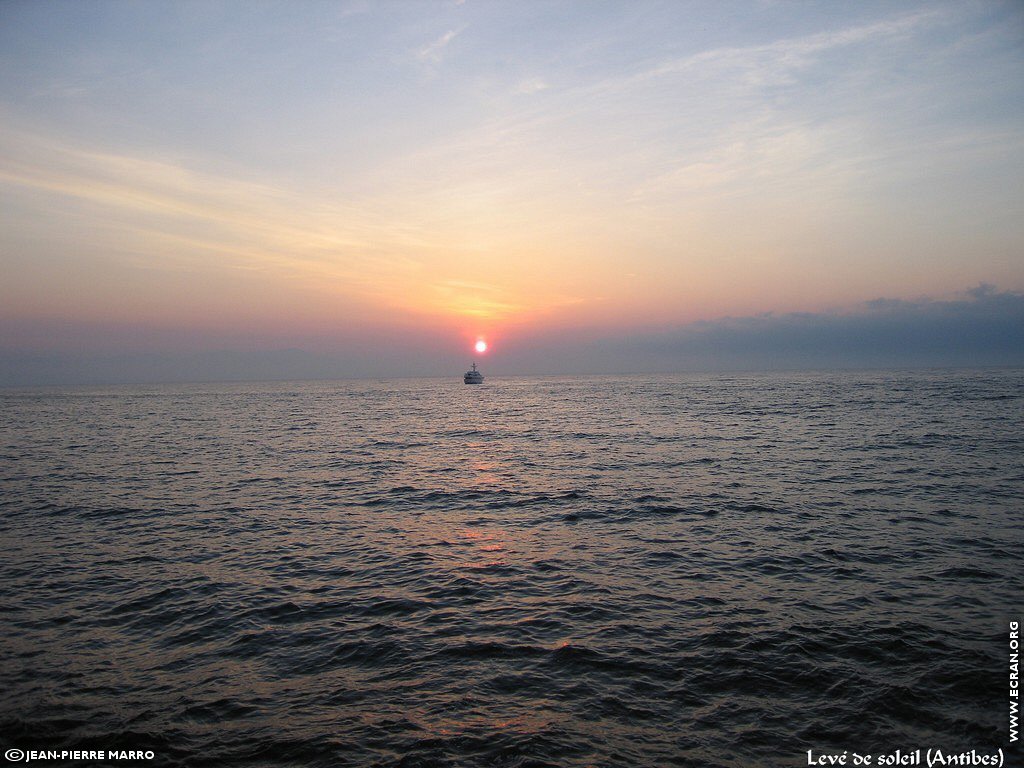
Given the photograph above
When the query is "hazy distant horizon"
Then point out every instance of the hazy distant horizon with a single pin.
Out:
(456, 378)
(984, 329)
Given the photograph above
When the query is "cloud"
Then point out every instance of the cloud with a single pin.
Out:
(720, 126)
(984, 327)
(775, 62)
(532, 85)
(783, 116)
(367, 255)
(247, 224)
(434, 51)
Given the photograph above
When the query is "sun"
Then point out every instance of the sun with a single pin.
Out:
(481, 346)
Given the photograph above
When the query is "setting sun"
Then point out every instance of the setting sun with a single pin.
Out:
(481, 346)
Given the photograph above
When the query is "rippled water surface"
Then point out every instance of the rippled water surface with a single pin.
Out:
(674, 570)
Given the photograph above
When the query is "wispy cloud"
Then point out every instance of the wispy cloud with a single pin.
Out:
(532, 85)
(495, 303)
(762, 64)
(434, 51)
(170, 208)
(702, 120)
(780, 118)
(474, 299)
(391, 253)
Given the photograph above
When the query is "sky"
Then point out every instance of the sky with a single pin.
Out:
(219, 190)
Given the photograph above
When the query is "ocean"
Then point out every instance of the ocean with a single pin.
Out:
(672, 570)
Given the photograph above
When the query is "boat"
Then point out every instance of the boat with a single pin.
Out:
(473, 376)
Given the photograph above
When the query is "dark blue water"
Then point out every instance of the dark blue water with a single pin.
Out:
(676, 570)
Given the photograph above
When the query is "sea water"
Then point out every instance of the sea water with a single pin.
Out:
(694, 570)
